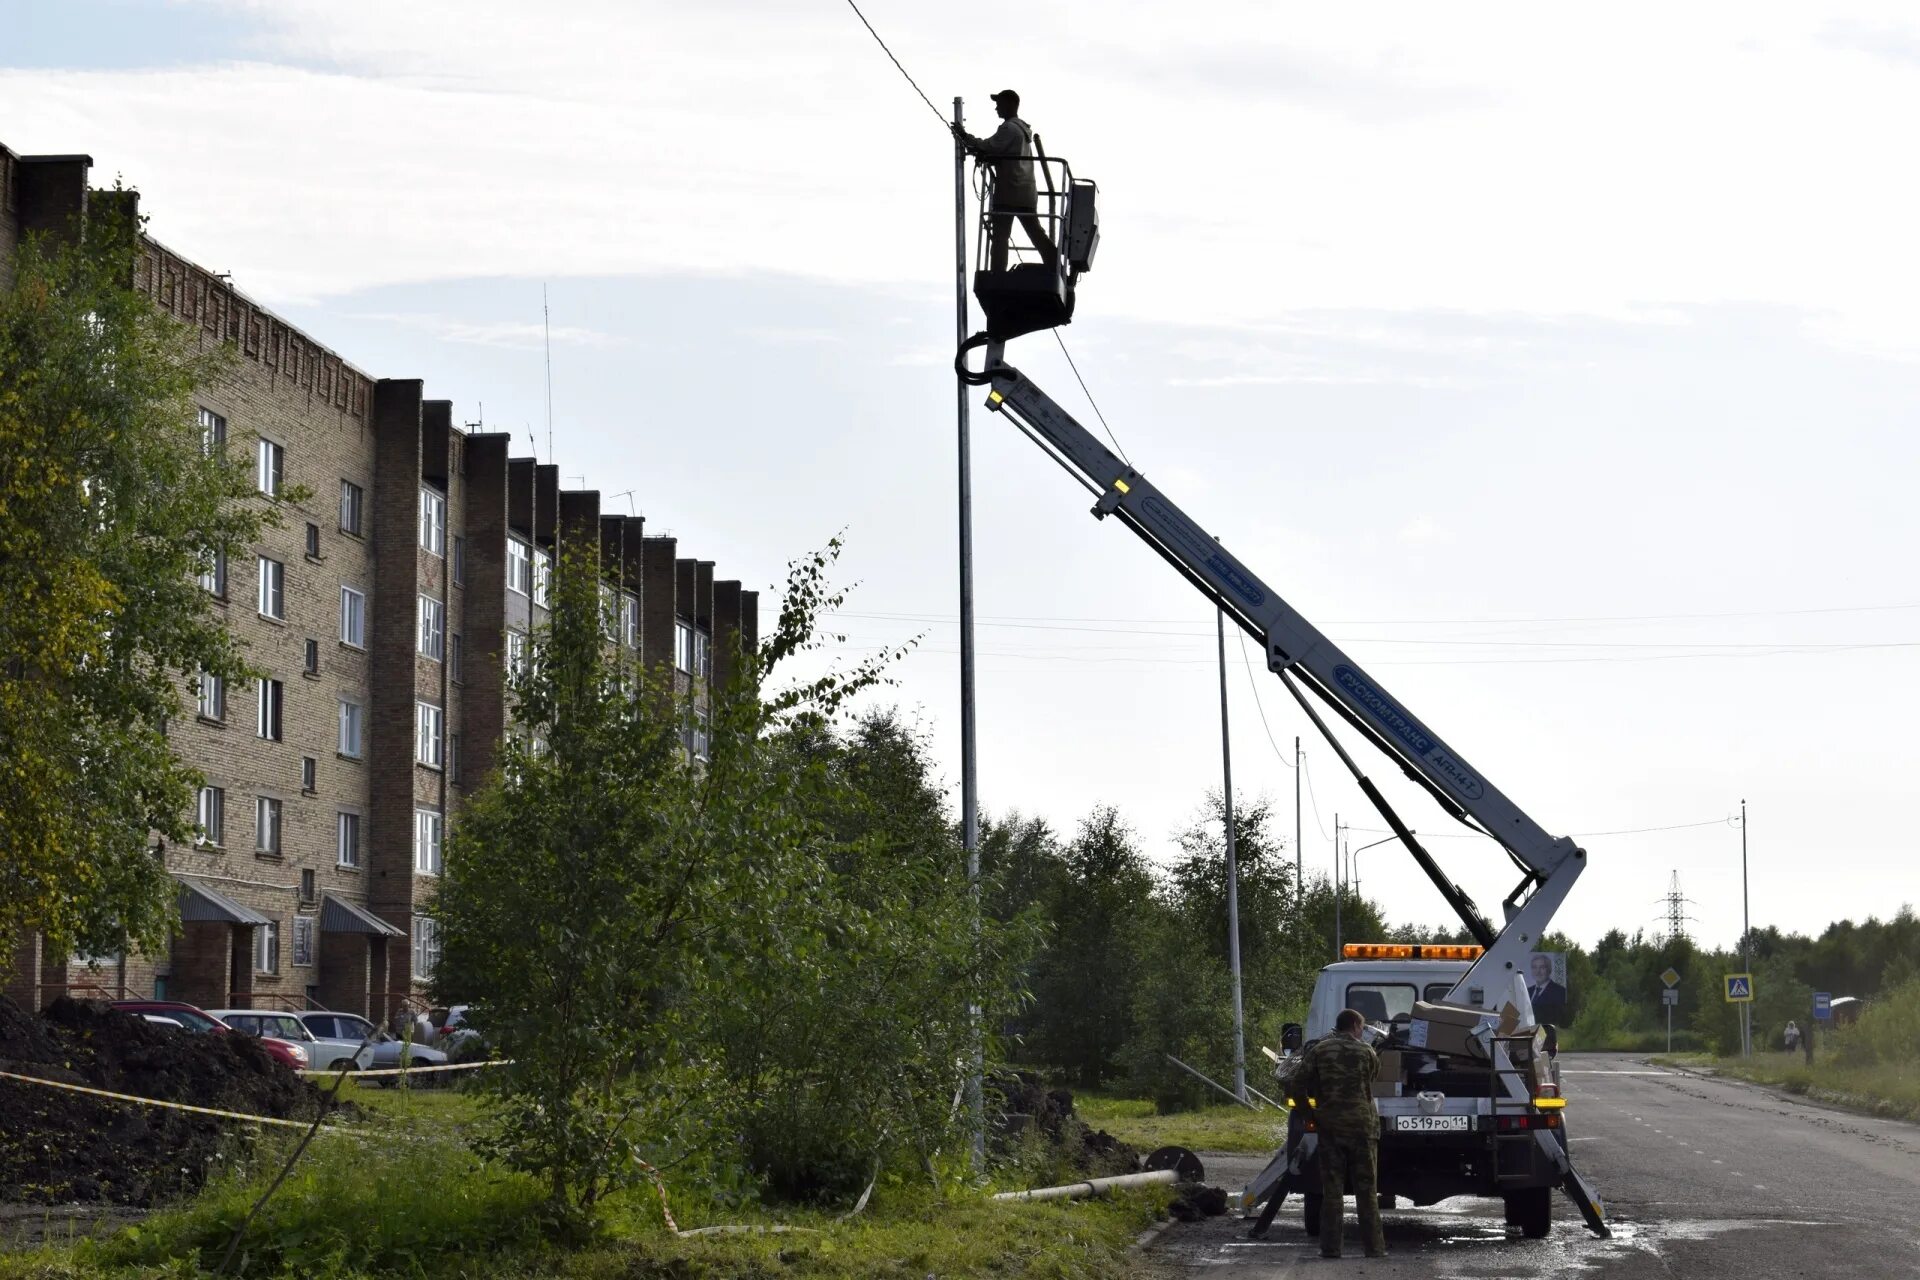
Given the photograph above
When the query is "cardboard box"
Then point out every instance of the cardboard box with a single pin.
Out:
(1451, 1028)
(1392, 1070)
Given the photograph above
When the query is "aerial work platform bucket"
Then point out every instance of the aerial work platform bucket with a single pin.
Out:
(1025, 289)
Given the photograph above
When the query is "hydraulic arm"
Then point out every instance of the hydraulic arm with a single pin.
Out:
(1310, 663)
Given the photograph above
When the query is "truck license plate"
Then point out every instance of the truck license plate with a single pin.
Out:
(1432, 1124)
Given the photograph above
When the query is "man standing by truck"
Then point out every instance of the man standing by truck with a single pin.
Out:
(1337, 1074)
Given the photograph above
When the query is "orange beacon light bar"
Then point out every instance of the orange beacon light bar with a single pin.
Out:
(1412, 951)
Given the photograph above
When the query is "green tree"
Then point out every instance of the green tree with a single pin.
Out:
(109, 510)
(1085, 979)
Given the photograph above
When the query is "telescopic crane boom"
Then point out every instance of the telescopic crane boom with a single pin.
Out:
(1033, 296)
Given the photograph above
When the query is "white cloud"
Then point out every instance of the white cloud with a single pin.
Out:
(1511, 159)
(521, 335)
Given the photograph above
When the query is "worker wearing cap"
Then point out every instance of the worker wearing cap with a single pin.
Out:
(1010, 150)
(1335, 1082)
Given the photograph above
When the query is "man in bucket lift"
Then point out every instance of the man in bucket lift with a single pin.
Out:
(1010, 149)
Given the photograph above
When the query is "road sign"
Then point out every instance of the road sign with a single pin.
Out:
(1671, 977)
(1739, 988)
(1823, 1006)
(1669, 996)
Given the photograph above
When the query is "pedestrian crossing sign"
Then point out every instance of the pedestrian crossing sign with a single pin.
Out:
(1739, 988)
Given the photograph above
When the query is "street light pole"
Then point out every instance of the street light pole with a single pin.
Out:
(969, 775)
(1336, 886)
(1746, 942)
(1233, 869)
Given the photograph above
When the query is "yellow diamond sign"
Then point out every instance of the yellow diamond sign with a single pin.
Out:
(1670, 977)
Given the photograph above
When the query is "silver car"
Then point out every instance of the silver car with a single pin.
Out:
(348, 1030)
(322, 1055)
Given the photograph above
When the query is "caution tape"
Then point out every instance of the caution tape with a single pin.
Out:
(330, 1072)
(170, 1106)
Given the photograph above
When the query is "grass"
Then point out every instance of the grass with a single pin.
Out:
(1878, 1089)
(1222, 1128)
(426, 1206)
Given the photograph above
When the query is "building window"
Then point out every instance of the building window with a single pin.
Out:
(703, 655)
(433, 628)
(516, 654)
(702, 732)
(353, 617)
(453, 757)
(426, 842)
(213, 578)
(459, 561)
(210, 814)
(426, 946)
(266, 947)
(213, 433)
(683, 645)
(519, 566)
(270, 471)
(266, 825)
(349, 729)
(632, 609)
(609, 614)
(313, 540)
(430, 724)
(306, 891)
(347, 840)
(313, 657)
(455, 664)
(542, 578)
(212, 695)
(273, 589)
(352, 499)
(433, 521)
(272, 698)
(303, 938)
(309, 774)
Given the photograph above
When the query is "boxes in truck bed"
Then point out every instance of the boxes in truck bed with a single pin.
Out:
(1458, 1029)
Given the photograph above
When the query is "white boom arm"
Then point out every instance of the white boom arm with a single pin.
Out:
(1298, 652)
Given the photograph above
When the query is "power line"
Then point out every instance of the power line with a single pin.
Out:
(1089, 395)
(944, 122)
(1306, 771)
(1247, 662)
(1009, 619)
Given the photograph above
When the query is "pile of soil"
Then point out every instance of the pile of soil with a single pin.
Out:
(57, 1146)
(1024, 1104)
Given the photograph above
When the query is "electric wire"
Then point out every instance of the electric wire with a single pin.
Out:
(944, 122)
(1090, 400)
(1247, 662)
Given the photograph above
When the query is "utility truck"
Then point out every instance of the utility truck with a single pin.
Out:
(1491, 1130)
(1448, 1126)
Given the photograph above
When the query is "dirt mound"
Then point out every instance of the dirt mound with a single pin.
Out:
(56, 1145)
(1023, 1103)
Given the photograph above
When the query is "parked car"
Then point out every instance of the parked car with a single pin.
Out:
(281, 1025)
(348, 1030)
(289, 1053)
(162, 1020)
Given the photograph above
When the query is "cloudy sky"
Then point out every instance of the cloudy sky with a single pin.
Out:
(1564, 368)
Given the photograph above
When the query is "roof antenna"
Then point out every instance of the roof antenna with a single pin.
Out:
(546, 334)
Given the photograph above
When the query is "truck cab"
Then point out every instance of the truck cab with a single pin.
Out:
(1448, 1127)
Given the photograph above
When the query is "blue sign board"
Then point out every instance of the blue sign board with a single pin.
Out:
(1823, 1006)
(1739, 988)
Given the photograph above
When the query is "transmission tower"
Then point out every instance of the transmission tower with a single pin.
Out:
(1677, 915)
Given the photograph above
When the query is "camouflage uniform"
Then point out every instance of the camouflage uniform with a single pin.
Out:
(1338, 1074)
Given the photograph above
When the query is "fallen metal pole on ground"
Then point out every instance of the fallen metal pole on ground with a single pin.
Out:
(1212, 1083)
(1093, 1186)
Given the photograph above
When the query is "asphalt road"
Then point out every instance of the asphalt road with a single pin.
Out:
(1701, 1178)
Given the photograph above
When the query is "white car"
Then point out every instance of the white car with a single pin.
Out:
(322, 1055)
(349, 1030)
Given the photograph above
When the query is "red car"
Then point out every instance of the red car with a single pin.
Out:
(196, 1019)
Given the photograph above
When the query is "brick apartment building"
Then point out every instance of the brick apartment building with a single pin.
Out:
(386, 611)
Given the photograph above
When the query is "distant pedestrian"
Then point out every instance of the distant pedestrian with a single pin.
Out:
(1338, 1073)
(1791, 1035)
